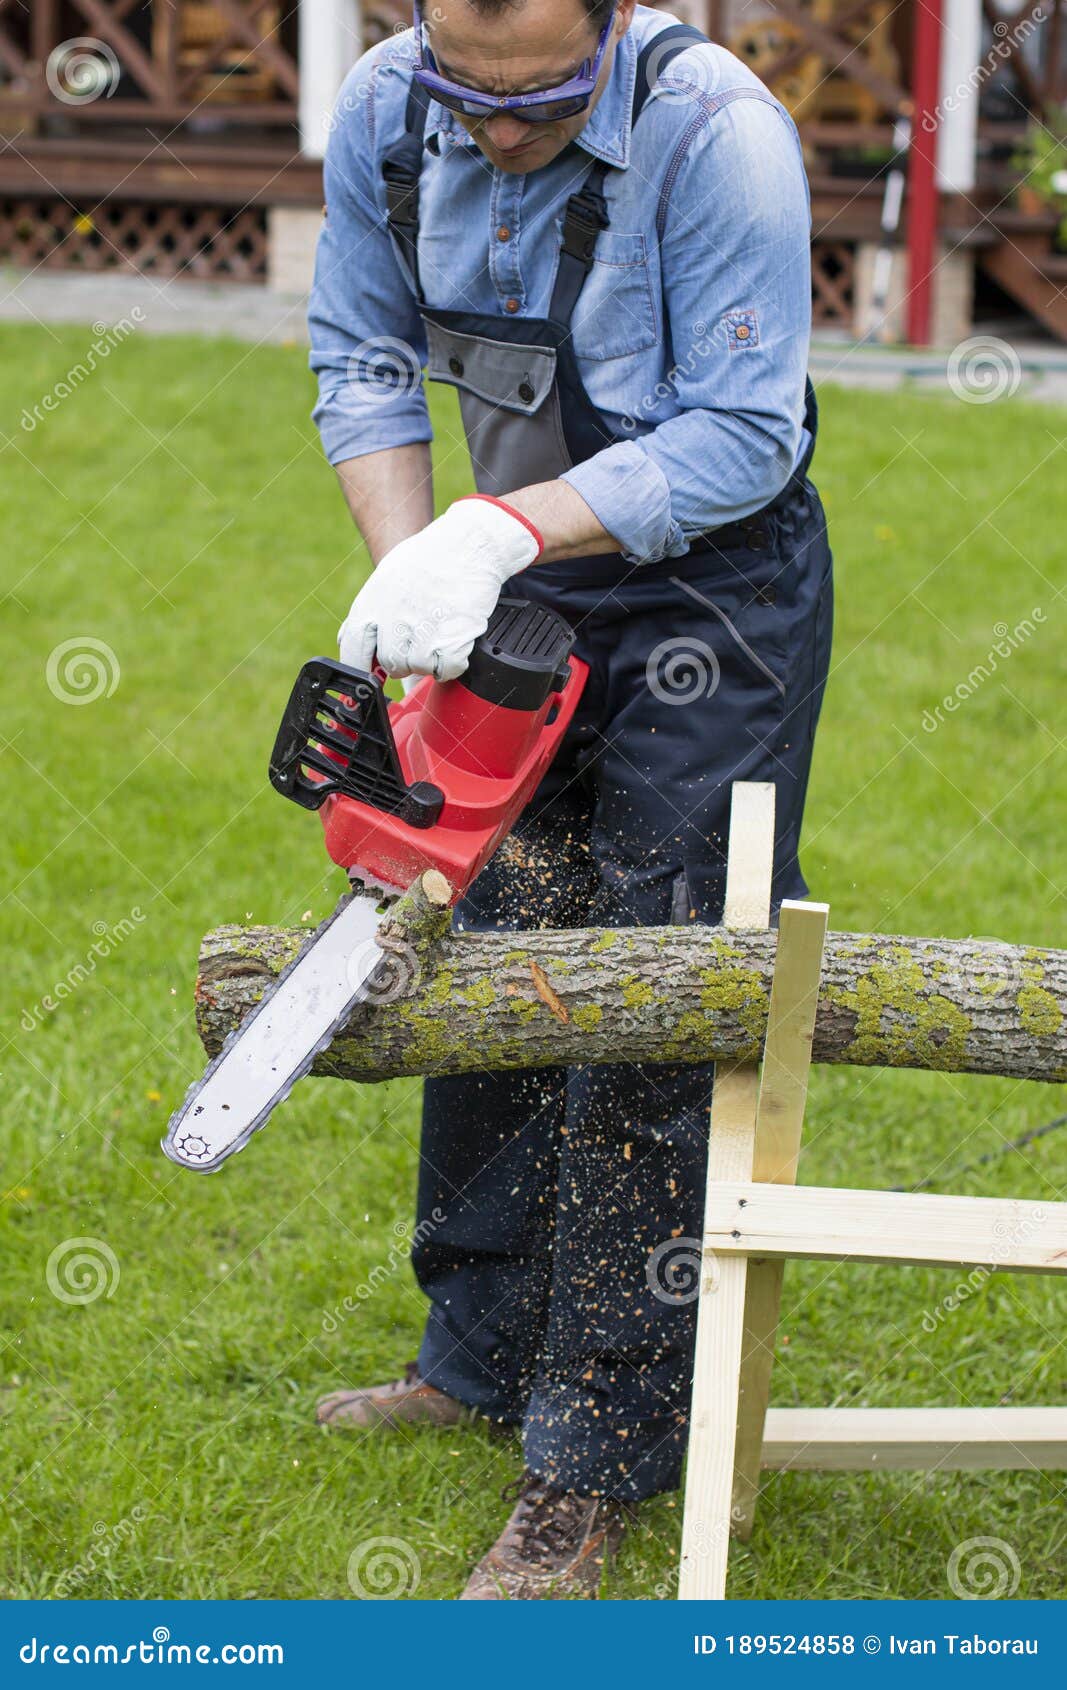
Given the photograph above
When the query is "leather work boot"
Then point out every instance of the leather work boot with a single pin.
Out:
(408, 1401)
(553, 1547)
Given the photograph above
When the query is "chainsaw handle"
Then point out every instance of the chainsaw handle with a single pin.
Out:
(336, 736)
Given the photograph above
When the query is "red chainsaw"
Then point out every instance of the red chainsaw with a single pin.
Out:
(435, 780)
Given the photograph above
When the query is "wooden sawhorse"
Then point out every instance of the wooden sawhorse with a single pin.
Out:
(756, 1216)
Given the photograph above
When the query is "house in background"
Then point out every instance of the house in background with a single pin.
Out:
(184, 138)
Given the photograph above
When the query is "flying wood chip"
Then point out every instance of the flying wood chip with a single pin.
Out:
(546, 994)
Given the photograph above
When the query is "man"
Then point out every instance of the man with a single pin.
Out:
(594, 224)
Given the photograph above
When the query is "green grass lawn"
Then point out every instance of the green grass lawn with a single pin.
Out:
(158, 1441)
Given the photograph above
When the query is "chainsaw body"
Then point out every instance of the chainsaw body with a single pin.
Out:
(438, 779)
(434, 781)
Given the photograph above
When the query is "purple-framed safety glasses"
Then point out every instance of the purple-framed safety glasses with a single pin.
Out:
(539, 105)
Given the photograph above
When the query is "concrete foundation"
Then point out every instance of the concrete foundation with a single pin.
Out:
(953, 313)
(292, 234)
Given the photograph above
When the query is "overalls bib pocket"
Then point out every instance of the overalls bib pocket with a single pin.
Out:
(616, 311)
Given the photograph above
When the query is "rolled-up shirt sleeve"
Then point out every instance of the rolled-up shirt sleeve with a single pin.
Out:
(367, 342)
(737, 297)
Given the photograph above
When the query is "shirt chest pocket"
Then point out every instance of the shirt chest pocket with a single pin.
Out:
(617, 314)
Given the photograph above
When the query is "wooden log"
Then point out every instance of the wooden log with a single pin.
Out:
(670, 994)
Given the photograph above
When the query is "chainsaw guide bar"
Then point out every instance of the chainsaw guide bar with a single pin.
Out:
(276, 1045)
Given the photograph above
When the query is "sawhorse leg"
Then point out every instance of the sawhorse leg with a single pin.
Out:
(753, 1127)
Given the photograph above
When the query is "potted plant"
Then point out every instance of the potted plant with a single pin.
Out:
(1042, 162)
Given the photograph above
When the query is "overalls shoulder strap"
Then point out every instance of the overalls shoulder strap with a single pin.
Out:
(586, 212)
(401, 169)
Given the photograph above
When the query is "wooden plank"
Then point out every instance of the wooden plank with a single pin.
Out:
(779, 1125)
(917, 1439)
(131, 55)
(796, 54)
(763, 1302)
(790, 1029)
(721, 1310)
(261, 46)
(842, 52)
(750, 855)
(42, 173)
(1003, 1234)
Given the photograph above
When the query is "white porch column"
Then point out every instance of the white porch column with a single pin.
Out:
(962, 80)
(331, 40)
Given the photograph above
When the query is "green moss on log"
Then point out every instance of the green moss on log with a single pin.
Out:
(897, 1017)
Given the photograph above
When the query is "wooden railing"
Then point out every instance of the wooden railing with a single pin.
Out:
(109, 62)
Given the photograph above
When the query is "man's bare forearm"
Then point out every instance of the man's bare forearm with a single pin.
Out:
(564, 521)
(390, 495)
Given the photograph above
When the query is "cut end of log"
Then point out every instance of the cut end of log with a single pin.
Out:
(435, 889)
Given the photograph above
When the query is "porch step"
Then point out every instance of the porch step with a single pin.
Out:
(1033, 275)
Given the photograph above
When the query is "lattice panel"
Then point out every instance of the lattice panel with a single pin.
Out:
(833, 275)
(207, 242)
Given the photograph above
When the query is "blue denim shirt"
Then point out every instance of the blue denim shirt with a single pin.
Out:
(691, 331)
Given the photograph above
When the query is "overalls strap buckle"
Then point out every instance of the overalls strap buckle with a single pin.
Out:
(586, 214)
(401, 191)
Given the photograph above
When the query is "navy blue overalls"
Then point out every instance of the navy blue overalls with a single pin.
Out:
(557, 1186)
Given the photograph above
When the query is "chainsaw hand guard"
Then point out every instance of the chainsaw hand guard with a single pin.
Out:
(336, 737)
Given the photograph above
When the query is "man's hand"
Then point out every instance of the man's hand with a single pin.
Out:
(431, 596)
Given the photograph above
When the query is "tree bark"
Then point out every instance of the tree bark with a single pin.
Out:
(485, 1001)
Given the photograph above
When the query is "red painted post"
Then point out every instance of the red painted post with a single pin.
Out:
(922, 168)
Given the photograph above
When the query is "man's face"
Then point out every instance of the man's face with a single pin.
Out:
(535, 44)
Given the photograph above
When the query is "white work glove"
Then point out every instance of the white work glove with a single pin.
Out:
(431, 596)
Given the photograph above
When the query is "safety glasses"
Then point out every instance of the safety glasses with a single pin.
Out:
(539, 105)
